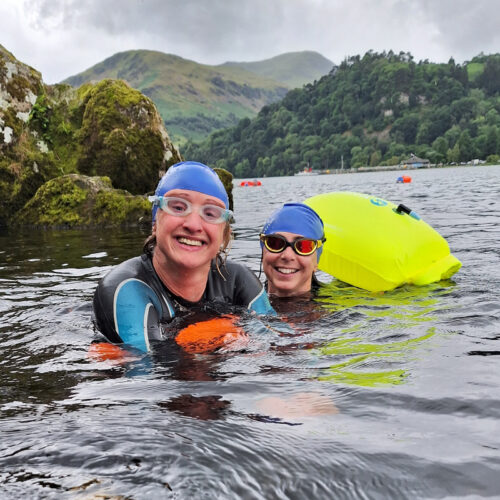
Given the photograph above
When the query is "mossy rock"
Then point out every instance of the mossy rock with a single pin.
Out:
(20, 179)
(123, 137)
(47, 131)
(227, 179)
(80, 201)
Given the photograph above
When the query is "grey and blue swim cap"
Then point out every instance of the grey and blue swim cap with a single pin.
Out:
(192, 176)
(296, 218)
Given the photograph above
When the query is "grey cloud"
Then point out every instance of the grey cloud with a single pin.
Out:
(77, 33)
(212, 26)
(466, 28)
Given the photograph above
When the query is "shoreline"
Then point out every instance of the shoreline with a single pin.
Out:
(388, 168)
(385, 168)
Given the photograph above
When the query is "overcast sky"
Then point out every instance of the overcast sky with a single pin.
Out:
(63, 37)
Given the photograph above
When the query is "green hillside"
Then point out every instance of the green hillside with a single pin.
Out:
(372, 110)
(293, 69)
(193, 99)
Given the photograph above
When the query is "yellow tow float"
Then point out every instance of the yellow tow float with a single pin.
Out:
(376, 245)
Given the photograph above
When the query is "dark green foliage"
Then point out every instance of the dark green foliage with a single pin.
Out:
(372, 109)
(39, 117)
(20, 181)
(489, 80)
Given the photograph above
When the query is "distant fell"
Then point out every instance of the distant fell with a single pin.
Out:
(294, 69)
(196, 99)
(193, 99)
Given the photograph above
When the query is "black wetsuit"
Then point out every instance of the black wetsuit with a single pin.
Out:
(131, 301)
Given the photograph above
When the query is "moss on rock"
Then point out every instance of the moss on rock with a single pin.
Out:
(79, 201)
(20, 177)
(227, 179)
(122, 136)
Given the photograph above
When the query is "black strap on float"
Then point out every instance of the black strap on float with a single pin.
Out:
(403, 209)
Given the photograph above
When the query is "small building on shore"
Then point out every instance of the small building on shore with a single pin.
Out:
(415, 162)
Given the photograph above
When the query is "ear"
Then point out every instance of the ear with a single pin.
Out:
(153, 231)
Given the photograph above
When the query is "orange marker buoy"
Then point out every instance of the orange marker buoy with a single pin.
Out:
(206, 336)
(250, 183)
(404, 179)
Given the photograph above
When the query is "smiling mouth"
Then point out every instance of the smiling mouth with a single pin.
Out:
(187, 241)
(285, 270)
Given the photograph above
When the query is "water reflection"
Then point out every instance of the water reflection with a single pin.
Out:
(384, 318)
(352, 395)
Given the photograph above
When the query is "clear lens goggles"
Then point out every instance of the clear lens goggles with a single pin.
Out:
(276, 243)
(181, 208)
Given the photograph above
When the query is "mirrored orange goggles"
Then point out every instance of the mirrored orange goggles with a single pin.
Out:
(276, 243)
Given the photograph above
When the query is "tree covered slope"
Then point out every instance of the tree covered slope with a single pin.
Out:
(374, 109)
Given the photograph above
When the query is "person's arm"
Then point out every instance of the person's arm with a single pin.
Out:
(261, 305)
(126, 309)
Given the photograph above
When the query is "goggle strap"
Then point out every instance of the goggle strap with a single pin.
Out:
(155, 200)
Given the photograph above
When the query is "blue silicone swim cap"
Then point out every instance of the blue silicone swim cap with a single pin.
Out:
(296, 218)
(192, 176)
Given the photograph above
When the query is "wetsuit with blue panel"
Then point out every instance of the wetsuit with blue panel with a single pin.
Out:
(131, 302)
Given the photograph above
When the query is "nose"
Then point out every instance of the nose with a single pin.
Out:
(287, 254)
(193, 221)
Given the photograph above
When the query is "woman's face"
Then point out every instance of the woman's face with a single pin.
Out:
(288, 273)
(188, 242)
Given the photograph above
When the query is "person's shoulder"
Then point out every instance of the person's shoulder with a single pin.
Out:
(239, 270)
(127, 268)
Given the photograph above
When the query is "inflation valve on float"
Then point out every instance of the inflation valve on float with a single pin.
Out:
(403, 209)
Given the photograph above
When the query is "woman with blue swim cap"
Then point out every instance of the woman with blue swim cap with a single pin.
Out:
(183, 264)
(291, 242)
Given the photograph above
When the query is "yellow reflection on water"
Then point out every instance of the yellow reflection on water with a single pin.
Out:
(386, 315)
(365, 354)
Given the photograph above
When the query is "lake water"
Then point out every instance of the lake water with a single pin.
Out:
(391, 395)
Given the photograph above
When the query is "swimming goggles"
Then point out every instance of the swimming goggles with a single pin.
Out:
(276, 243)
(181, 208)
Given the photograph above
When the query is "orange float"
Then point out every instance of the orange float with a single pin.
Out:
(206, 336)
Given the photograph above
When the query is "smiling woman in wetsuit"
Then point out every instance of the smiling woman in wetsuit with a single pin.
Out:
(291, 242)
(183, 264)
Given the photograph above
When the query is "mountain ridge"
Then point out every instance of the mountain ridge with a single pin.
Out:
(280, 67)
(195, 99)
